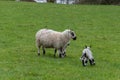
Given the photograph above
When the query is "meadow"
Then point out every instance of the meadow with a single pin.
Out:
(95, 25)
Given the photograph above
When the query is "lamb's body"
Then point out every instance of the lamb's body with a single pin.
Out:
(87, 55)
(48, 38)
(64, 50)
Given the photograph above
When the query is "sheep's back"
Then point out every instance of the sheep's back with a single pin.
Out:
(48, 38)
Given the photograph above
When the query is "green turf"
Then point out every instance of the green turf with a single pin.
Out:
(94, 25)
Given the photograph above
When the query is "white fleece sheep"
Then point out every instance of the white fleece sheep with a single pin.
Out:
(48, 38)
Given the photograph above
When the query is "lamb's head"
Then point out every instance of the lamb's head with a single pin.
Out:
(70, 34)
(87, 47)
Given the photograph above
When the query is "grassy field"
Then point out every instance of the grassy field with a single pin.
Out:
(94, 25)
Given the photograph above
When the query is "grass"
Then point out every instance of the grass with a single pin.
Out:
(94, 25)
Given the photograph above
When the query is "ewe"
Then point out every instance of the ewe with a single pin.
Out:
(48, 38)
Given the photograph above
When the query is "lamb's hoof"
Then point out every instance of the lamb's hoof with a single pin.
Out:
(62, 56)
(84, 65)
(65, 55)
(93, 63)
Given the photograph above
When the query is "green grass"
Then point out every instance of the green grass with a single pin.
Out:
(94, 25)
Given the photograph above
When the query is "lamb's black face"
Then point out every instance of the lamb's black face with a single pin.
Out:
(73, 35)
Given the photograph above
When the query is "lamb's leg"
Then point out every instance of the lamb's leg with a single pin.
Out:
(64, 53)
(83, 63)
(38, 46)
(60, 52)
(90, 61)
(93, 62)
(55, 52)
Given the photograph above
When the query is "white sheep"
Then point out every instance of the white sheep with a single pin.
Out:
(48, 38)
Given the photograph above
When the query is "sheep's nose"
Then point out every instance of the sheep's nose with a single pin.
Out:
(74, 38)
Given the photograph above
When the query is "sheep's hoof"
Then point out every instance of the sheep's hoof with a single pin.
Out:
(54, 56)
(38, 54)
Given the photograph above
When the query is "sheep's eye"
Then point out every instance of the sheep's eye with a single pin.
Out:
(72, 33)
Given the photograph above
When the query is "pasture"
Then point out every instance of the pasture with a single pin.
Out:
(96, 25)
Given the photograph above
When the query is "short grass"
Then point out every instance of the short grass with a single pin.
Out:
(94, 25)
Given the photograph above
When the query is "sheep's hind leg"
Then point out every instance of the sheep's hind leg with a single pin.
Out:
(55, 52)
(43, 50)
(38, 46)
(38, 50)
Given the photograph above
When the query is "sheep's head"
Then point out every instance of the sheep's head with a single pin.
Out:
(73, 35)
(70, 34)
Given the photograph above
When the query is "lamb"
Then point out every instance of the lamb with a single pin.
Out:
(87, 55)
(47, 38)
(64, 50)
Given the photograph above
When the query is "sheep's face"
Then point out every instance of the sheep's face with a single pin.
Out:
(73, 35)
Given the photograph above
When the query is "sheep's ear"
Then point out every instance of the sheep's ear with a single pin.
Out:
(46, 26)
(68, 27)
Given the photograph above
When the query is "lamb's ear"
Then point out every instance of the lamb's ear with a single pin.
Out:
(85, 46)
(90, 46)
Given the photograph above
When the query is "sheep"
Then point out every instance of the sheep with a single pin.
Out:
(87, 55)
(48, 38)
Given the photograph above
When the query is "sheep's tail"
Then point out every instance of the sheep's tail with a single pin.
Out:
(37, 43)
